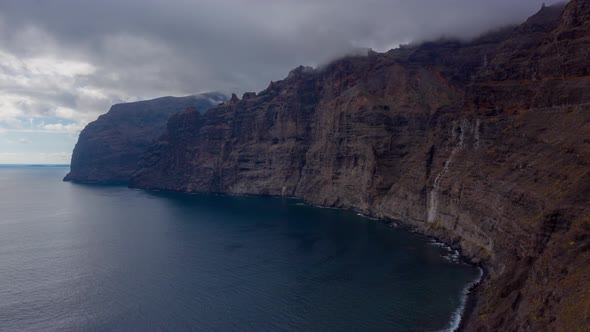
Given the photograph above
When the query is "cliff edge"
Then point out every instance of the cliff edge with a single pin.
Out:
(485, 144)
(109, 148)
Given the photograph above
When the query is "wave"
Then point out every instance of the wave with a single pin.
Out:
(365, 216)
(452, 255)
(457, 316)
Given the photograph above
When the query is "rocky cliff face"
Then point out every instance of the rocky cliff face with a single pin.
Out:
(485, 144)
(109, 148)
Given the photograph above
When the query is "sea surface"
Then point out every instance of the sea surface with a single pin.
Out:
(107, 258)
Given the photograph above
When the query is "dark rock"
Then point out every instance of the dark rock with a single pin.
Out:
(234, 99)
(465, 141)
(109, 148)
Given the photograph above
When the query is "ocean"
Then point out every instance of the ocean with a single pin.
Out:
(107, 258)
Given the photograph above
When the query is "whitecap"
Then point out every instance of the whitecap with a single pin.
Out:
(458, 314)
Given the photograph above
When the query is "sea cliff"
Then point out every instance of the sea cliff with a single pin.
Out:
(109, 148)
(484, 144)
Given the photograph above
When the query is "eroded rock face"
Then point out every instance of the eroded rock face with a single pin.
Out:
(484, 144)
(109, 148)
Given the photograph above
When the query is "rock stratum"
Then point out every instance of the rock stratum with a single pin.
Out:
(485, 144)
(109, 148)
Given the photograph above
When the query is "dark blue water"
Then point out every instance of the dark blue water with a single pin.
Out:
(106, 258)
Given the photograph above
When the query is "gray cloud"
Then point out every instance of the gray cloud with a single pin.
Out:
(72, 59)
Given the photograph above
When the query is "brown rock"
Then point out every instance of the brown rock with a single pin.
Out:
(483, 144)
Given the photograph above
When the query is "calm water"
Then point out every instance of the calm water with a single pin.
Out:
(105, 258)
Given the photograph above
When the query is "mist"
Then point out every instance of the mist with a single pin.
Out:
(69, 61)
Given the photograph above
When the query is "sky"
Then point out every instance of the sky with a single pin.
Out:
(64, 62)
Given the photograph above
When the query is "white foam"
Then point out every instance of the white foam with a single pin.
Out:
(436, 243)
(451, 255)
(365, 216)
(458, 314)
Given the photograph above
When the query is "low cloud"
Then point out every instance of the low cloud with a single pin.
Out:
(24, 141)
(71, 60)
(35, 157)
(19, 141)
(67, 128)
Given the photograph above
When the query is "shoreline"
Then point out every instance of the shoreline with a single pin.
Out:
(469, 302)
(460, 317)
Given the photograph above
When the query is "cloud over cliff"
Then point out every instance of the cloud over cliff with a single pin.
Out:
(67, 61)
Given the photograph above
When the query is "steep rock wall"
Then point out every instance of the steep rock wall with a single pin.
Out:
(109, 148)
(484, 144)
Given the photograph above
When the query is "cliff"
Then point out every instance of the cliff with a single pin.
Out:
(109, 148)
(485, 144)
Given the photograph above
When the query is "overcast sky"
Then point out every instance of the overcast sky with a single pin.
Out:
(63, 63)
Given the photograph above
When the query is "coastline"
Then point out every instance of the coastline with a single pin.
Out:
(460, 318)
(471, 299)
